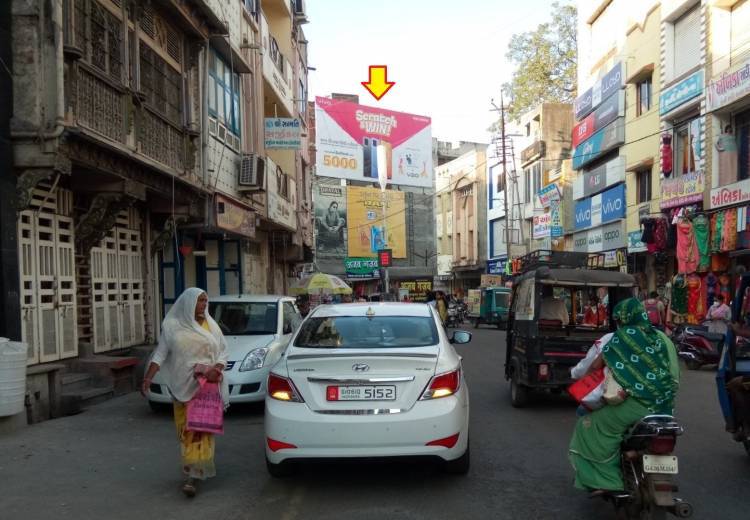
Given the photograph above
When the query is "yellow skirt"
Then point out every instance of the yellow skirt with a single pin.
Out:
(197, 448)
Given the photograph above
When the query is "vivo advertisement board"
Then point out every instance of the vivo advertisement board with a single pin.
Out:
(602, 141)
(600, 209)
(372, 144)
(604, 238)
(602, 89)
(607, 112)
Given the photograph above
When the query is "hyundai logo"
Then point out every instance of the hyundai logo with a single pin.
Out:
(360, 367)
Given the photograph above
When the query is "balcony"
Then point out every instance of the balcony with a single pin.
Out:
(278, 72)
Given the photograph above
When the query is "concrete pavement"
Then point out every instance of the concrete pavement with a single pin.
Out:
(118, 460)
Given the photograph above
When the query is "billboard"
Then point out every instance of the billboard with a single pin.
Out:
(364, 143)
(366, 231)
(330, 220)
(599, 209)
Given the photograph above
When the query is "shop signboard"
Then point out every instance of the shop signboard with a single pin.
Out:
(366, 230)
(361, 267)
(532, 152)
(547, 194)
(681, 93)
(555, 214)
(732, 194)
(283, 133)
(682, 189)
(541, 227)
(602, 90)
(603, 238)
(496, 266)
(596, 180)
(235, 217)
(418, 289)
(607, 112)
(602, 208)
(602, 141)
(491, 280)
(634, 243)
(728, 87)
(365, 143)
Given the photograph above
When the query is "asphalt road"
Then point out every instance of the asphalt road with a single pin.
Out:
(118, 460)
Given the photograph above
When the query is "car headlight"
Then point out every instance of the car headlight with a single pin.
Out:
(254, 359)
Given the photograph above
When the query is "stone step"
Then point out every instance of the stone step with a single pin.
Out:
(73, 381)
(75, 401)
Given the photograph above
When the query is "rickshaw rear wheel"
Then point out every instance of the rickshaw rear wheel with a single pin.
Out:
(519, 394)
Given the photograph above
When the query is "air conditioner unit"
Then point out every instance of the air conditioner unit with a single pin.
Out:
(300, 13)
(252, 174)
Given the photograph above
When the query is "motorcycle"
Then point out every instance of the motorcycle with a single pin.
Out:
(453, 316)
(648, 466)
(696, 346)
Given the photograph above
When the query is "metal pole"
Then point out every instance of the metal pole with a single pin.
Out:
(505, 178)
(386, 282)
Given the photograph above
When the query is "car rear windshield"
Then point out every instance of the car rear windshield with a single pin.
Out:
(363, 332)
(245, 318)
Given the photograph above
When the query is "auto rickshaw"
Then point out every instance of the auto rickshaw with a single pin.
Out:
(735, 355)
(493, 307)
(541, 351)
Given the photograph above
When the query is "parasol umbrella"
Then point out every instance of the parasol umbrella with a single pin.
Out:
(320, 283)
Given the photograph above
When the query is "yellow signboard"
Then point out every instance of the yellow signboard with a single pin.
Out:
(367, 231)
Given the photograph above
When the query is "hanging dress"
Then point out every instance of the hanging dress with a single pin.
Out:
(716, 229)
(700, 228)
(678, 303)
(687, 249)
(725, 288)
(729, 231)
(712, 288)
(694, 306)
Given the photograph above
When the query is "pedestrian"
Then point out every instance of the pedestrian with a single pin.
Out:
(643, 372)
(442, 307)
(719, 315)
(191, 346)
(656, 310)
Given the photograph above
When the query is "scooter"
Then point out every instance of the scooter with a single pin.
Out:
(696, 346)
(453, 316)
(648, 468)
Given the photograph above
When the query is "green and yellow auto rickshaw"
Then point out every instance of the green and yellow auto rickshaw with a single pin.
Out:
(493, 307)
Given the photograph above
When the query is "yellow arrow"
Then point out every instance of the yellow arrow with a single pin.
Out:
(378, 84)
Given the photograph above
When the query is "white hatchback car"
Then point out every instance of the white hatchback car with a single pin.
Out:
(368, 380)
(257, 329)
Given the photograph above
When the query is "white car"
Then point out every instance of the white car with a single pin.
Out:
(368, 380)
(257, 329)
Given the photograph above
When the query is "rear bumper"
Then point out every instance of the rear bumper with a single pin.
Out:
(323, 436)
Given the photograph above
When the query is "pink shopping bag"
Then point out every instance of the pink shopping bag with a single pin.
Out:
(205, 411)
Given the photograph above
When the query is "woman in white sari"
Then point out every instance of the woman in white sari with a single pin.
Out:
(191, 343)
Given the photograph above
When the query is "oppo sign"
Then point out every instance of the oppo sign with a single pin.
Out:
(604, 238)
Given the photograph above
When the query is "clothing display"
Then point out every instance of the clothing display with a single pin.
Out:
(712, 287)
(647, 230)
(687, 248)
(660, 234)
(679, 301)
(700, 228)
(729, 230)
(696, 309)
(724, 287)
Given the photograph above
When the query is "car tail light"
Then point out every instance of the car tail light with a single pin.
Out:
(661, 445)
(275, 445)
(446, 442)
(543, 372)
(443, 385)
(282, 389)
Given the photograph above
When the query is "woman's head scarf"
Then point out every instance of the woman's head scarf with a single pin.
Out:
(638, 357)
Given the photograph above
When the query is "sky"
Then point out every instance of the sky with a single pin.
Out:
(447, 57)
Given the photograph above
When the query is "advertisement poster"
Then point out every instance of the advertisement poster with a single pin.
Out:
(541, 226)
(418, 289)
(364, 143)
(366, 231)
(330, 220)
(283, 133)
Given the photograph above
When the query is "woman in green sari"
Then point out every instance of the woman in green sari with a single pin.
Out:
(643, 361)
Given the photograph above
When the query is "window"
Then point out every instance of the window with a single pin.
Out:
(364, 332)
(528, 129)
(97, 33)
(643, 96)
(251, 6)
(291, 318)
(500, 182)
(643, 181)
(527, 185)
(537, 169)
(302, 99)
(245, 318)
(282, 183)
(687, 146)
(161, 84)
(224, 93)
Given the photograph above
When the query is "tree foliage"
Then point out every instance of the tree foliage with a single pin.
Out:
(546, 62)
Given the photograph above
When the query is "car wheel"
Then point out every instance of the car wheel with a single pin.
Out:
(281, 470)
(459, 466)
(519, 394)
(159, 407)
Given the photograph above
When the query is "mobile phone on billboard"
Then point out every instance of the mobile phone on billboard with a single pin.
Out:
(387, 158)
(366, 157)
(377, 239)
(374, 157)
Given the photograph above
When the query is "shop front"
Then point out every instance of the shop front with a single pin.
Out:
(363, 276)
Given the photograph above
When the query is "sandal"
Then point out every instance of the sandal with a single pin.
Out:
(189, 488)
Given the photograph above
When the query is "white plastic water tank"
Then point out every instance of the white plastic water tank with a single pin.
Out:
(12, 377)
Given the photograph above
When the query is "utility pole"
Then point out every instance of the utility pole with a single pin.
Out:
(505, 179)
(10, 323)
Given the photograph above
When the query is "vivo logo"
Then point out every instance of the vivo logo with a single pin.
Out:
(612, 205)
(583, 216)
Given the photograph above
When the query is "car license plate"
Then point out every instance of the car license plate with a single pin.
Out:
(660, 464)
(361, 393)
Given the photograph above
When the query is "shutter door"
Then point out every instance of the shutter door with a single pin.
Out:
(740, 33)
(687, 42)
(29, 294)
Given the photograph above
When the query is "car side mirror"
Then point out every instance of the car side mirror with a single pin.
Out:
(460, 337)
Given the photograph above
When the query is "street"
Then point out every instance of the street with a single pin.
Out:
(119, 460)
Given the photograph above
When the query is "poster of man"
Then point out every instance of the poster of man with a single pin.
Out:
(330, 220)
